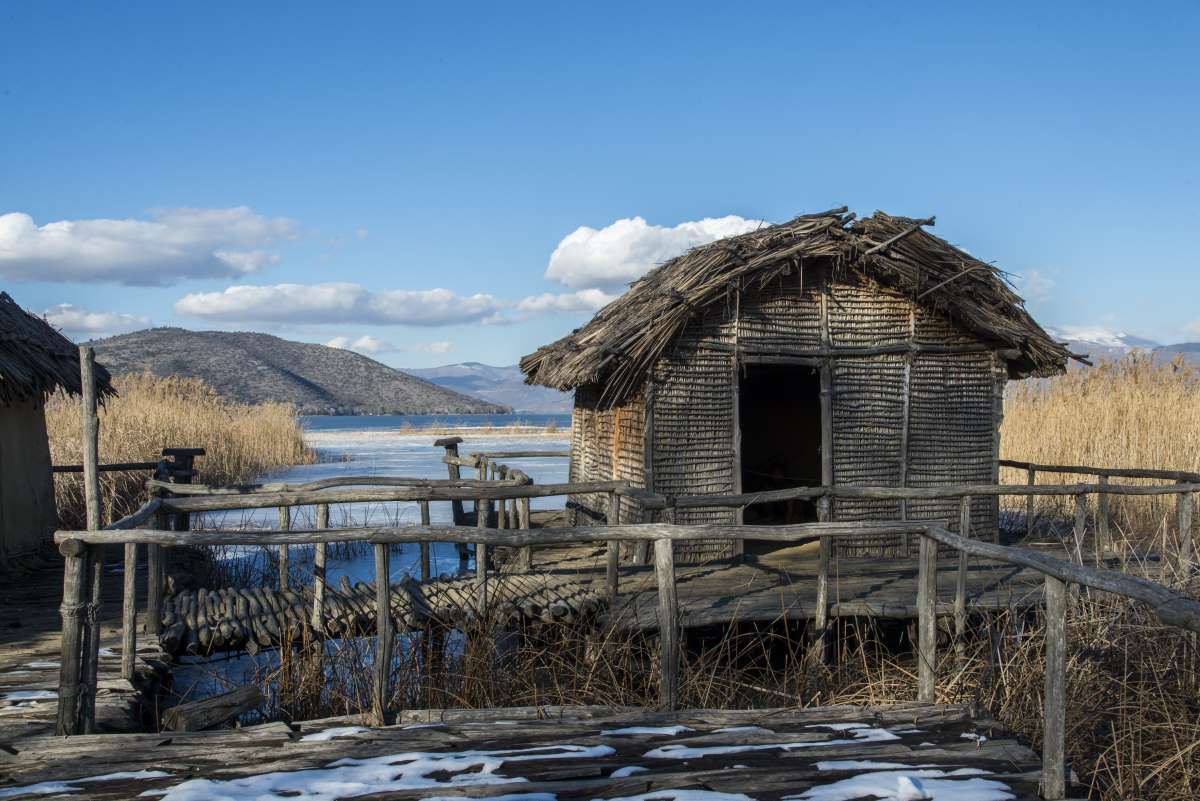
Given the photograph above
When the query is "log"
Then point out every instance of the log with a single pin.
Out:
(320, 554)
(1080, 527)
(210, 712)
(960, 584)
(1110, 472)
(927, 622)
(1054, 768)
(821, 617)
(129, 612)
(1031, 480)
(74, 605)
(285, 524)
(1184, 508)
(91, 486)
(1103, 519)
(482, 510)
(424, 546)
(383, 635)
(452, 470)
(613, 552)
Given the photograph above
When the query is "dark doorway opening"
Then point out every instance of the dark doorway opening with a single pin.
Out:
(779, 411)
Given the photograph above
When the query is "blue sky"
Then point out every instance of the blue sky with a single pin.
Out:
(318, 170)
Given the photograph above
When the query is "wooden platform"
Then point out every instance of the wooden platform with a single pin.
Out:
(782, 585)
(30, 629)
(541, 754)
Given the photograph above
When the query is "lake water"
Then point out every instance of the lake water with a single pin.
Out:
(398, 422)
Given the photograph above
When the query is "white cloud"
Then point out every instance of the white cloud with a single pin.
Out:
(171, 245)
(582, 300)
(80, 323)
(1035, 286)
(372, 346)
(1192, 327)
(618, 253)
(338, 303)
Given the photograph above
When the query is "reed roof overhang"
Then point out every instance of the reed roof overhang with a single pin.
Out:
(621, 343)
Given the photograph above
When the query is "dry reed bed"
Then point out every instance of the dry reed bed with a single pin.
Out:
(149, 413)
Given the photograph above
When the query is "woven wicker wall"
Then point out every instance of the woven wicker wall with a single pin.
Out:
(606, 444)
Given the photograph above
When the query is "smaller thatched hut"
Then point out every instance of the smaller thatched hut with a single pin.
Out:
(825, 351)
(35, 361)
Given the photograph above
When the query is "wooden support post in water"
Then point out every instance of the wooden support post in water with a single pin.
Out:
(1080, 528)
(129, 612)
(1031, 479)
(821, 618)
(960, 584)
(91, 488)
(320, 551)
(1103, 533)
(668, 624)
(74, 605)
(451, 446)
(383, 634)
(481, 553)
(1185, 504)
(613, 554)
(927, 622)
(154, 582)
(425, 567)
(285, 524)
(1054, 767)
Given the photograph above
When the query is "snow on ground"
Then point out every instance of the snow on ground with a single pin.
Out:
(911, 784)
(628, 770)
(654, 731)
(682, 795)
(329, 734)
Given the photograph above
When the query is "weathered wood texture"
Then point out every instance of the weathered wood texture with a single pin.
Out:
(212, 711)
(561, 752)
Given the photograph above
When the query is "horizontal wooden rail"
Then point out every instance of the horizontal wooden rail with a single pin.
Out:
(489, 536)
(489, 490)
(326, 483)
(137, 518)
(491, 455)
(1107, 472)
(106, 468)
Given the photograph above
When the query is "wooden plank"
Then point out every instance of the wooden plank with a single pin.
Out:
(91, 485)
(285, 524)
(1185, 505)
(129, 612)
(383, 635)
(1054, 768)
(1031, 480)
(613, 551)
(320, 553)
(452, 470)
(1080, 527)
(482, 510)
(523, 524)
(960, 584)
(668, 624)
(1104, 542)
(1111, 472)
(425, 568)
(927, 622)
(821, 618)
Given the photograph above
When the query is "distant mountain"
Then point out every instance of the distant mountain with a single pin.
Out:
(504, 385)
(259, 368)
(1100, 343)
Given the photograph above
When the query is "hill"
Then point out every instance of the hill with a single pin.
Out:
(1099, 344)
(503, 385)
(259, 368)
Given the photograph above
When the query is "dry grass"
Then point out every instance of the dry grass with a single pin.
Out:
(151, 413)
(1124, 413)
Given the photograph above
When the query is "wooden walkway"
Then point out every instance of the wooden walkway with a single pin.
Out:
(782, 585)
(30, 629)
(541, 754)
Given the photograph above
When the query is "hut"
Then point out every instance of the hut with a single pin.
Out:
(825, 351)
(35, 361)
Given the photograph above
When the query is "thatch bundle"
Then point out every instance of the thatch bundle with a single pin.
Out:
(36, 360)
(618, 347)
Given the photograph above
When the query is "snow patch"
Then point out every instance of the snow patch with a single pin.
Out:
(329, 734)
(728, 729)
(909, 785)
(29, 695)
(862, 734)
(628, 770)
(68, 786)
(970, 735)
(659, 731)
(42, 665)
(682, 795)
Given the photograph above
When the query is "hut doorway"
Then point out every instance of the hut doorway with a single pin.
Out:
(779, 418)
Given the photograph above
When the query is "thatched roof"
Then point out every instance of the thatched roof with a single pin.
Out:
(36, 360)
(625, 338)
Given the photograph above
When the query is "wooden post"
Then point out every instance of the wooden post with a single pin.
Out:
(155, 580)
(641, 548)
(613, 554)
(523, 524)
(451, 446)
(960, 583)
(91, 488)
(1185, 504)
(1030, 479)
(501, 472)
(481, 553)
(285, 524)
(1054, 767)
(74, 604)
(129, 612)
(825, 510)
(668, 624)
(320, 551)
(1080, 525)
(383, 634)
(425, 567)
(927, 622)
(821, 614)
(1103, 533)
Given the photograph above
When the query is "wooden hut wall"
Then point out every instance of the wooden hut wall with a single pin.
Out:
(605, 444)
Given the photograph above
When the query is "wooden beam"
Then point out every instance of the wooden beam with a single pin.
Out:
(1185, 505)
(91, 486)
(320, 554)
(1110, 472)
(129, 612)
(212, 711)
(613, 552)
(821, 617)
(71, 692)
(383, 635)
(668, 624)
(285, 524)
(927, 622)
(960, 584)
(426, 570)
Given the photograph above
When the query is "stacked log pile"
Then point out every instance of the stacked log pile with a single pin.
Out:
(203, 621)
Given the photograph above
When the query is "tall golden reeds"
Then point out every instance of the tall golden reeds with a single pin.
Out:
(150, 413)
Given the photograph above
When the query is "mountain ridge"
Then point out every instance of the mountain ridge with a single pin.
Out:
(250, 367)
(505, 385)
